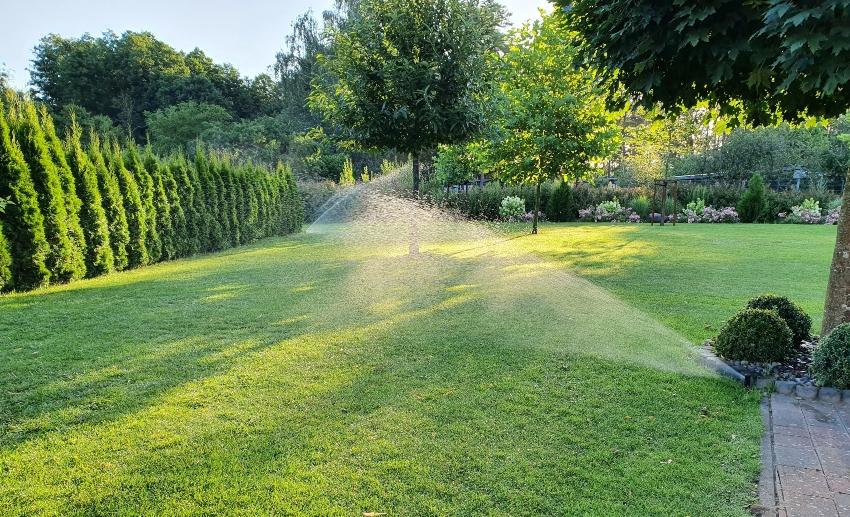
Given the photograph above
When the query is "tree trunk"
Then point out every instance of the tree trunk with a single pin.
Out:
(536, 210)
(416, 174)
(837, 308)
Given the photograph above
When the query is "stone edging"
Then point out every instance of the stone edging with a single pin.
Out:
(805, 391)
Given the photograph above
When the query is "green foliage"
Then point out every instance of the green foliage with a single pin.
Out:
(137, 248)
(63, 261)
(23, 222)
(95, 226)
(174, 128)
(512, 208)
(456, 164)
(696, 206)
(409, 75)
(560, 205)
(756, 335)
(73, 204)
(798, 321)
(752, 206)
(771, 58)
(5, 262)
(133, 162)
(576, 129)
(346, 177)
(134, 208)
(162, 205)
(831, 359)
(364, 175)
(113, 204)
(125, 76)
(641, 206)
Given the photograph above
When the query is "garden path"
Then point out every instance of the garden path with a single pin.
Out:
(805, 457)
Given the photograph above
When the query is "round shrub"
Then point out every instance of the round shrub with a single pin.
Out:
(798, 321)
(756, 335)
(512, 208)
(831, 359)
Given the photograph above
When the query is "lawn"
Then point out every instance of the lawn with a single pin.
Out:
(693, 277)
(333, 373)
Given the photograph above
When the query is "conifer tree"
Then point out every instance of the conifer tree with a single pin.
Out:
(62, 259)
(147, 191)
(295, 202)
(185, 177)
(162, 206)
(233, 203)
(23, 223)
(137, 250)
(346, 177)
(73, 204)
(5, 262)
(175, 203)
(222, 200)
(113, 204)
(93, 221)
(206, 185)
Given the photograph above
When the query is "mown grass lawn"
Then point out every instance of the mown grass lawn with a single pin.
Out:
(693, 277)
(328, 375)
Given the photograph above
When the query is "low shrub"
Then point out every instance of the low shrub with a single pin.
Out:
(560, 204)
(512, 208)
(755, 335)
(752, 206)
(607, 211)
(831, 359)
(641, 206)
(795, 317)
(807, 212)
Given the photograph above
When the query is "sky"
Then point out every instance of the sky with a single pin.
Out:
(246, 34)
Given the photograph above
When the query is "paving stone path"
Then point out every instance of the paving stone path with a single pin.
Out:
(805, 457)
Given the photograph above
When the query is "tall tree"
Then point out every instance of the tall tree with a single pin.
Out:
(137, 247)
(552, 121)
(774, 58)
(162, 205)
(176, 205)
(147, 190)
(94, 224)
(23, 223)
(410, 75)
(113, 204)
(73, 205)
(63, 261)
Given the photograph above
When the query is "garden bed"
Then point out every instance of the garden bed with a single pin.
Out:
(790, 377)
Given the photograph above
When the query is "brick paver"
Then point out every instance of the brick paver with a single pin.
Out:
(806, 458)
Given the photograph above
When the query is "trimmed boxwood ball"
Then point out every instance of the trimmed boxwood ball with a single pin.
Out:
(798, 321)
(831, 359)
(756, 335)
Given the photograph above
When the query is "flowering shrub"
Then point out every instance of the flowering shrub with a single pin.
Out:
(608, 211)
(724, 215)
(512, 208)
(807, 212)
(832, 216)
(634, 218)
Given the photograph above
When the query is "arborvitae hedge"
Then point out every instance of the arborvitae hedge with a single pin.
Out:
(113, 204)
(23, 223)
(95, 226)
(76, 211)
(63, 260)
(137, 248)
(73, 204)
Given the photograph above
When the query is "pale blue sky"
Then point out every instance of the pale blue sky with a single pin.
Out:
(245, 33)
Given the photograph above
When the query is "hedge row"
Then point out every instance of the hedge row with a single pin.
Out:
(562, 201)
(73, 211)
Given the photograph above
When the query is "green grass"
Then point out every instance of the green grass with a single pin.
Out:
(315, 375)
(694, 277)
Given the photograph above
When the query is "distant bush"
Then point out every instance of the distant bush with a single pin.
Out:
(756, 335)
(752, 205)
(512, 208)
(608, 211)
(641, 206)
(807, 212)
(831, 359)
(560, 204)
(798, 321)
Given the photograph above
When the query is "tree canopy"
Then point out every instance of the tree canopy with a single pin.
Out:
(777, 58)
